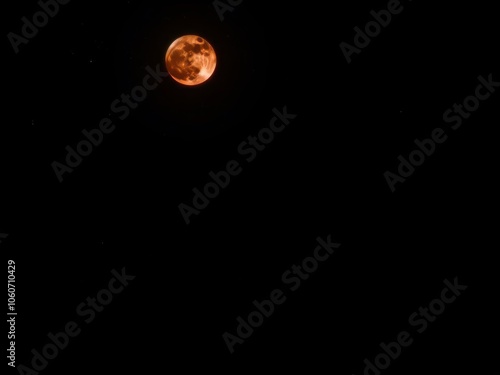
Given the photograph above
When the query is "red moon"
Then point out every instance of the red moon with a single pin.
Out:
(190, 60)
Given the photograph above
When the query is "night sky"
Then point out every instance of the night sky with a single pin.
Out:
(349, 123)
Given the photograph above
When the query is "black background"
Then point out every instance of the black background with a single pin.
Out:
(322, 176)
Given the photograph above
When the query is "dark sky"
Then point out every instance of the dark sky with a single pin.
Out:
(324, 174)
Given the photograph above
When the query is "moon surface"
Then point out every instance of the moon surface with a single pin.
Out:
(190, 60)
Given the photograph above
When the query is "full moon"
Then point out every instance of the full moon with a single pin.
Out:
(190, 60)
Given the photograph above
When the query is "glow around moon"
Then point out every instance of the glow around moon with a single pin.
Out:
(190, 60)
